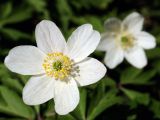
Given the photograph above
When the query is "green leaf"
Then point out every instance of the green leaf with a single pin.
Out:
(17, 16)
(151, 54)
(66, 117)
(15, 34)
(12, 118)
(89, 4)
(100, 3)
(7, 80)
(65, 13)
(156, 65)
(94, 20)
(82, 4)
(144, 77)
(98, 91)
(105, 102)
(11, 103)
(39, 5)
(137, 77)
(141, 98)
(109, 82)
(80, 111)
(48, 110)
(13, 83)
(79, 20)
(132, 117)
(24, 78)
(155, 108)
(6, 9)
(129, 74)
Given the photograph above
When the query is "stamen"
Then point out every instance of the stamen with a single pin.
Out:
(60, 66)
(127, 42)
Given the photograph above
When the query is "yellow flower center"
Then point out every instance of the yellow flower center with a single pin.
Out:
(58, 65)
(127, 42)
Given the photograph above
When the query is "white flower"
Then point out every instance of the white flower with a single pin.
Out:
(58, 68)
(126, 40)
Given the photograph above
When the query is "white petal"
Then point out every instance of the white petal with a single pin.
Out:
(91, 71)
(136, 57)
(107, 42)
(49, 38)
(133, 22)
(66, 96)
(38, 90)
(114, 57)
(83, 42)
(26, 60)
(146, 40)
(113, 25)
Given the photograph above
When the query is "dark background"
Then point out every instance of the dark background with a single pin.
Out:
(125, 93)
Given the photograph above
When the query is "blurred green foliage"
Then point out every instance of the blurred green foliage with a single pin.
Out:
(126, 93)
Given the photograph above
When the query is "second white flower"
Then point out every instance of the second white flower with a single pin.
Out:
(125, 39)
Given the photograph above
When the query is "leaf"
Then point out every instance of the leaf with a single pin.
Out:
(11, 103)
(15, 34)
(13, 83)
(80, 111)
(98, 91)
(109, 82)
(48, 109)
(17, 16)
(65, 13)
(132, 117)
(66, 117)
(6, 9)
(39, 5)
(156, 65)
(105, 102)
(24, 78)
(94, 20)
(144, 77)
(100, 3)
(7, 80)
(151, 54)
(137, 77)
(12, 118)
(82, 4)
(89, 4)
(141, 98)
(129, 74)
(155, 108)
(79, 20)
